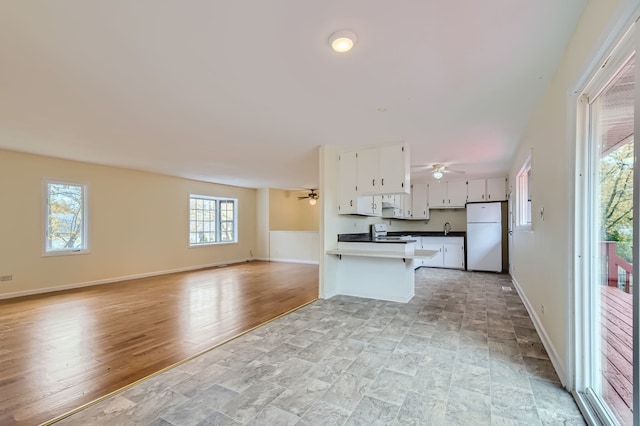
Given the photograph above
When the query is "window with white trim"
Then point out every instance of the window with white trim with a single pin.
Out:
(523, 196)
(212, 220)
(65, 218)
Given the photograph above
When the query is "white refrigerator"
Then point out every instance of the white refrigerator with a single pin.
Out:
(484, 237)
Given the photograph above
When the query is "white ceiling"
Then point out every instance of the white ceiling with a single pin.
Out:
(244, 92)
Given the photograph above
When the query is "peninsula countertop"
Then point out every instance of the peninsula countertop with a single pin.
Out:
(399, 237)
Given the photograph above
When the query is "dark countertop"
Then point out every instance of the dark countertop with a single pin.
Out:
(429, 233)
(365, 237)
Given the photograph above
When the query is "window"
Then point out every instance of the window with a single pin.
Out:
(65, 217)
(523, 196)
(212, 220)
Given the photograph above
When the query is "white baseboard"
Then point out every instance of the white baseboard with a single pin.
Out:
(557, 362)
(309, 262)
(329, 295)
(117, 279)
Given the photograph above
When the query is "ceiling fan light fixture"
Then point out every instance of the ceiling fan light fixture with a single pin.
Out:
(312, 201)
(342, 41)
(437, 174)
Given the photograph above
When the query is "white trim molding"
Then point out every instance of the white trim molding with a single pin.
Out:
(117, 279)
(556, 360)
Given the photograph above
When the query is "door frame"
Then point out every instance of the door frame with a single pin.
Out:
(580, 302)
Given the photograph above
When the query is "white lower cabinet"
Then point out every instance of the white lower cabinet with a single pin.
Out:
(450, 252)
(436, 261)
(453, 256)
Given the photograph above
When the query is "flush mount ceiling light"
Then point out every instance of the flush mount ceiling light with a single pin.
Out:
(342, 41)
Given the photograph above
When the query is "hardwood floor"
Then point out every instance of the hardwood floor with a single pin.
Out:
(61, 350)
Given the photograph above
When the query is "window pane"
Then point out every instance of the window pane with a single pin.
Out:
(65, 218)
(206, 215)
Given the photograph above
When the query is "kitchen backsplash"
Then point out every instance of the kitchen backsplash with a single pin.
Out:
(437, 218)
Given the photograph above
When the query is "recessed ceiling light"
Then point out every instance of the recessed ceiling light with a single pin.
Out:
(342, 41)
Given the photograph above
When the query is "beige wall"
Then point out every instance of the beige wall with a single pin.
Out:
(457, 218)
(138, 224)
(287, 213)
(542, 258)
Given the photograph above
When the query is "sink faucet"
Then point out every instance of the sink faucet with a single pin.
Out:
(447, 228)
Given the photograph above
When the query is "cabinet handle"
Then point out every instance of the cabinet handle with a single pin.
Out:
(382, 181)
(350, 203)
(489, 196)
(373, 182)
(483, 196)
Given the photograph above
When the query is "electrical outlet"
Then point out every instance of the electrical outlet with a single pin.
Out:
(6, 277)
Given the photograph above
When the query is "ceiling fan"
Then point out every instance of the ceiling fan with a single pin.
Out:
(438, 170)
(312, 196)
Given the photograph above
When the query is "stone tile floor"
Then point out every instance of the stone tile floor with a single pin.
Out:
(463, 351)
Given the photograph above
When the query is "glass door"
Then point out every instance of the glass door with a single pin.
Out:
(608, 368)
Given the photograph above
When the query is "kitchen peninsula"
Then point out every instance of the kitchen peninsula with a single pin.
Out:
(377, 267)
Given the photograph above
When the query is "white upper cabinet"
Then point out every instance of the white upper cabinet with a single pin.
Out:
(438, 195)
(384, 170)
(395, 169)
(370, 205)
(496, 189)
(493, 189)
(476, 190)
(407, 206)
(419, 201)
(444, 195)
(372, 171)
(368, 170)
(457, 193)
(348, 203)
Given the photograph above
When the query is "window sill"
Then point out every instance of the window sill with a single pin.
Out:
(64, 252)
(212, 244)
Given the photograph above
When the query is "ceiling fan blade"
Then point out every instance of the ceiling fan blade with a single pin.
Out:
(453, 171)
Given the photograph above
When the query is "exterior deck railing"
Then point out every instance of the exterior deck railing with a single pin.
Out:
(619, 271)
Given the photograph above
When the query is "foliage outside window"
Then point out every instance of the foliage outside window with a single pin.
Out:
(66, 222)
(212, 220)
(616, 197)
(523, 196)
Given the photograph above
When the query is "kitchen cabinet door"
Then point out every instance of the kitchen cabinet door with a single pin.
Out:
(437, 195)
(436, 261)
(496, 189)
(419, 201)
(370, 205)
(348, 203)
(368, 171)
(453, 256)
(395, 171)
(476, 190)
(457, 193)
(377, 205)
(407, 206)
